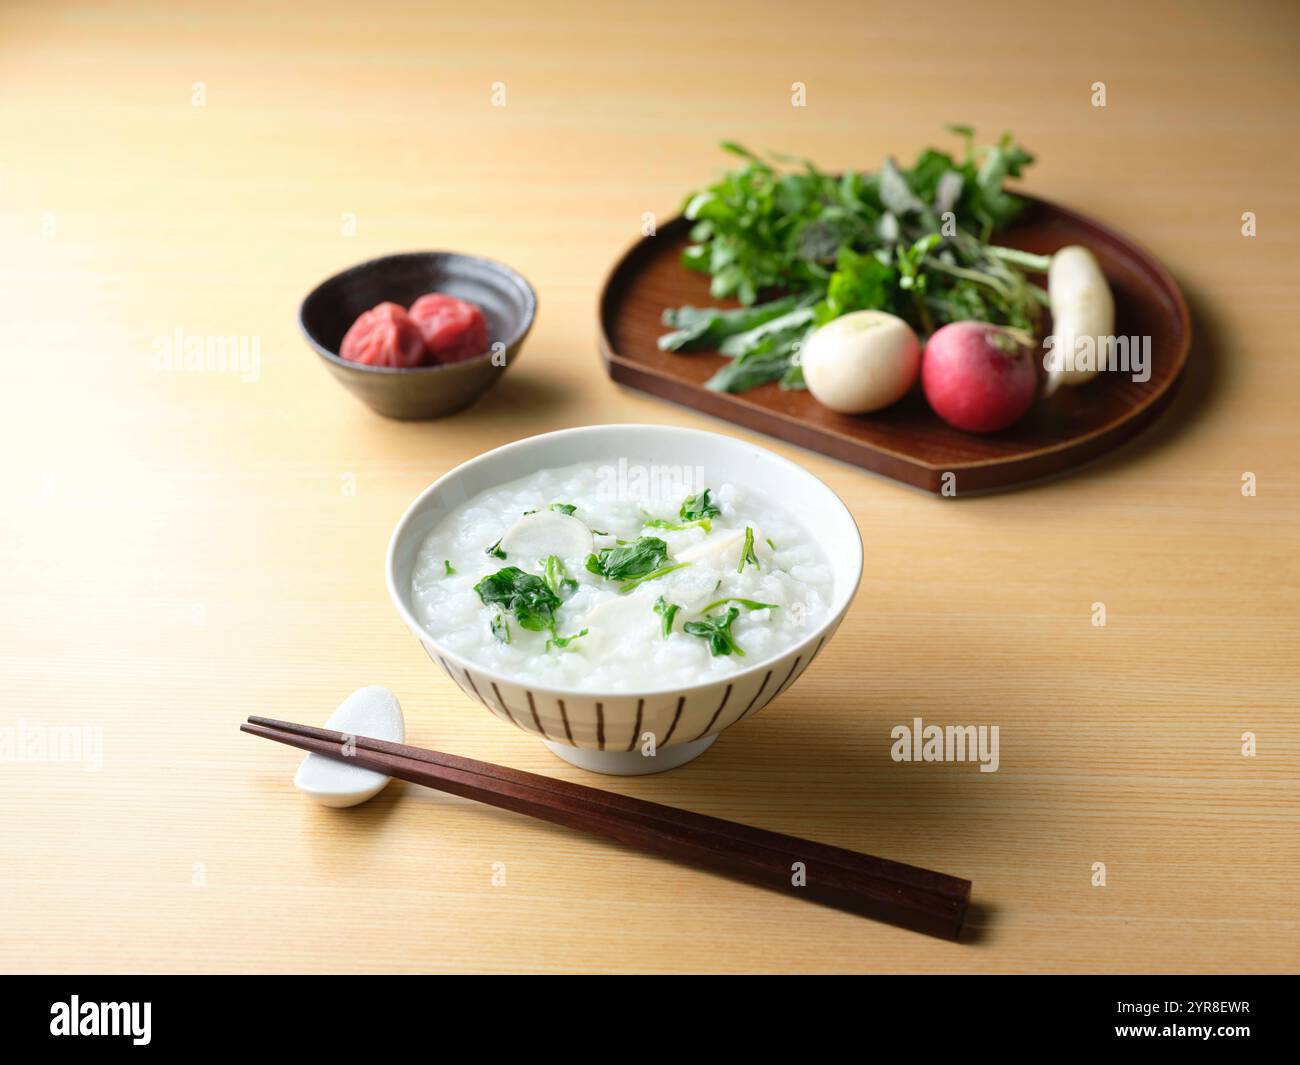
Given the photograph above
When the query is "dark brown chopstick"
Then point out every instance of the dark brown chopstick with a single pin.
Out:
(875, 887)
(853, 860)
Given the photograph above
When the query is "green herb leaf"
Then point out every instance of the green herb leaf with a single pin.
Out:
(770, 361)
(500, 628)
(628, 561)
(676, 526)
(895, 193)
(663, 570)
(747, 552)
(717, 630)
(748, 604)
(667, 611)
(557, 577)
(447, 568)
(644, 559)
(708, 327)
(563, 641)
(860, 282)
(524, 595)
(791, 324)
(495, 551)
(562, 508)
(696, 510)
(699, 507)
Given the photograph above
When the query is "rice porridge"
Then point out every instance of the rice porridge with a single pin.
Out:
(577, 578)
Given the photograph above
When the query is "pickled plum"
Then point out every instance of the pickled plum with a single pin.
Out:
(452, 329)
(437, 329)
(384, 336)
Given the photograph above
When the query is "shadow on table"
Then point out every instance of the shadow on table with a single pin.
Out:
(527, 394)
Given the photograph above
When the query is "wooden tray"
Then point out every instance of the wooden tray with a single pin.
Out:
(907, 441)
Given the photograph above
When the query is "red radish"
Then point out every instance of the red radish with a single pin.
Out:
(977, 376)
(453, 329)
(384, 336)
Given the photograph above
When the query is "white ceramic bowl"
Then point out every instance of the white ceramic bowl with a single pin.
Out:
(607, 732)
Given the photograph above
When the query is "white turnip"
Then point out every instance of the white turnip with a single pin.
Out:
(861, 361)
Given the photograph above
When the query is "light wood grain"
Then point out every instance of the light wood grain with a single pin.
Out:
(179, 550)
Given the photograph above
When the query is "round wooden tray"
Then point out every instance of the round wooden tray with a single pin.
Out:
(907, 441)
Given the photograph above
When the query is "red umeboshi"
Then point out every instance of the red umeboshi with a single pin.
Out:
(453, 329)
(384, 336)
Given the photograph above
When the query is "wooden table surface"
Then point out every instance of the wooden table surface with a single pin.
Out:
(181, 549)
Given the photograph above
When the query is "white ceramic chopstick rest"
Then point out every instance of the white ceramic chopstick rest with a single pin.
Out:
(372, 711)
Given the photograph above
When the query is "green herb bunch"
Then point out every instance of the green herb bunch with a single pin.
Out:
(798, 247)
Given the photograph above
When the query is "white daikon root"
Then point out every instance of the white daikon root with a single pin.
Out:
(1083, 317)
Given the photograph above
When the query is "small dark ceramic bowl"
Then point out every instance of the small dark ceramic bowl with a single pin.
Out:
(507, 300)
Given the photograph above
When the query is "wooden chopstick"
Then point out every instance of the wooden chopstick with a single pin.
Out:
(901, 894)
(853, 860)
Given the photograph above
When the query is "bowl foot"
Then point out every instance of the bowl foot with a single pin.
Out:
(631, 763)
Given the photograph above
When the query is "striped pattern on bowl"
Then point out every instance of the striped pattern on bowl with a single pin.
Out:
(620, 723)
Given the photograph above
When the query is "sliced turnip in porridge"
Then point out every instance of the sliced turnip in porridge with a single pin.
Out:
(558, 580)
(552, 531)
